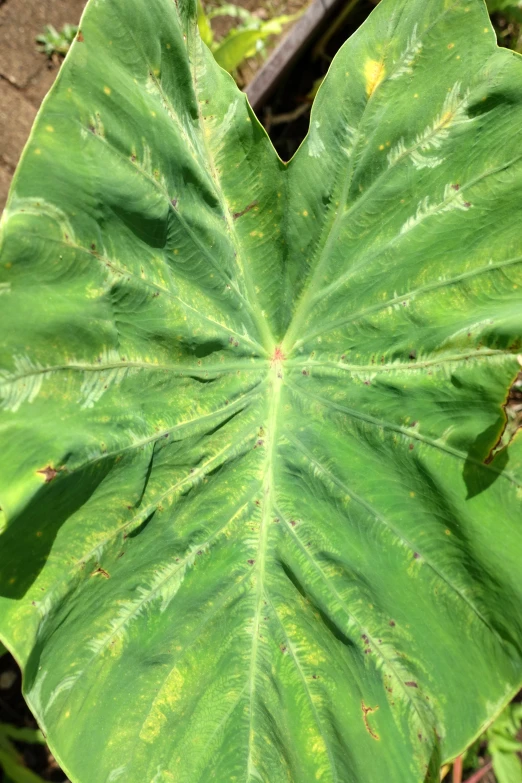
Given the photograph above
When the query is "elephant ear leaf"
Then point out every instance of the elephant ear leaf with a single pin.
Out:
(261, 465)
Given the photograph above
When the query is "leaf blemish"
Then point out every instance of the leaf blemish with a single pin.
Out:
(373, 74)
(512, 409)
(49, 473)
(368, 711)
(250, 206)
(101, 572)
(411, 684)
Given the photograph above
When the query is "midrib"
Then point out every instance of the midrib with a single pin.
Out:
(268, 486)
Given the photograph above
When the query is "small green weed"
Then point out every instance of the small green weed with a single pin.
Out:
(51, 42)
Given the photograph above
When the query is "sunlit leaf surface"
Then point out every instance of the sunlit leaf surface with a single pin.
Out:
(261, 468)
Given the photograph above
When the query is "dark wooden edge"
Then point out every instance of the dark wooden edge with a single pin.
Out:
(281, 59)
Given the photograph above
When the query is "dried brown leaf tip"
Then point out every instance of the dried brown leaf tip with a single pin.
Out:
(49, 473)
(512, 408)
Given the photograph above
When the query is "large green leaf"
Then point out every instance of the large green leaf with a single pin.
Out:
(261, 477)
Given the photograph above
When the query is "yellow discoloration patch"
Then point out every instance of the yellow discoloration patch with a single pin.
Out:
(38, 152)
(412, 494)
(314, 658)
(448, 532)
(107, 90)
(165, 702)
(451, 46)
(305, 213)
(373, 74)
(49, 129)
(381, 147)
(486, 29)
(153, 113)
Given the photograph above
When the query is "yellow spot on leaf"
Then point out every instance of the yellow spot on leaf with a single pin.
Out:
(107, 90)
(49, 129)
(416, 95)
(381, 146)
(486, 29)
(448, 532)
(38, 152)
(451, 46)
(168, 46)
(412, 494)
(373, 74)
(153, 113)
(305, 213)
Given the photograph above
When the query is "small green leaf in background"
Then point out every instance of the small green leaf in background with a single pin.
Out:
(504, 746)
(11, 762)
(245, 40)
(260, 479)
(52, 42)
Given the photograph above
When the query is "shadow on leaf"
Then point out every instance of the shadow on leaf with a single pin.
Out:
(479, 476)
(26, 543)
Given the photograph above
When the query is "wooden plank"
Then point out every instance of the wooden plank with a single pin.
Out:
(283, 57)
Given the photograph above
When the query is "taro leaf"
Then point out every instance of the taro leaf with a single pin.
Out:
(262, 521)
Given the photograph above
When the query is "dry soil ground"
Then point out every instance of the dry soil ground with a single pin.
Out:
(25, 74)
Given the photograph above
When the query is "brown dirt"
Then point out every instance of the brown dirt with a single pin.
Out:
(25, 74)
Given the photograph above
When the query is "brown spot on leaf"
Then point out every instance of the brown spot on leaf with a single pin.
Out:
(392, 623)
(80, 36)
(237, 215)
(368, 711)
(101, 572)
(49, 473)
(411, 684)
(251, 562)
